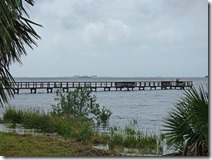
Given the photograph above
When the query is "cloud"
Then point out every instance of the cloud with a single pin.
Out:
(110, 31)
(165, 36)
(82, 36)
(184, 8)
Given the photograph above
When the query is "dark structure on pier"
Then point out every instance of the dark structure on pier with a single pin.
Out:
(106, 86)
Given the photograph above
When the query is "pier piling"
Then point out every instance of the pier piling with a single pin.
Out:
(105, 86)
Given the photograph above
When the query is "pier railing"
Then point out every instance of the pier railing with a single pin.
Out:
(106, 86)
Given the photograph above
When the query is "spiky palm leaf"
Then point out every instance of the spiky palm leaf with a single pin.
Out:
(15, 32)
(187, 124)
(5, 82)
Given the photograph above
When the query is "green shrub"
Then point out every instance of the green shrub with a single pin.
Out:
(85, 132)
(12, 115)
(36, 120)
(147, 141)
(116, 138)
(101, 138)
(82, 105)
(130, 131)
(130, 142)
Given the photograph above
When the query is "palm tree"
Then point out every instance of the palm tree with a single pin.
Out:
(186, 126)
(15, 32)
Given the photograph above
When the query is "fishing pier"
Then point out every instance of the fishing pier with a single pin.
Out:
(104, 86)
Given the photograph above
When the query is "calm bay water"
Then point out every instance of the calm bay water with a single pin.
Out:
(145, 108)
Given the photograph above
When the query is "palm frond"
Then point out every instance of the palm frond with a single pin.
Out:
(15, 32)
(187, 124)
(5, 84)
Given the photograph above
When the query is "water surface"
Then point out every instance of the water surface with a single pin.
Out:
(146, 109)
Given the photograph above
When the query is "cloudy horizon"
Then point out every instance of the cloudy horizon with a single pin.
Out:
(121, 38)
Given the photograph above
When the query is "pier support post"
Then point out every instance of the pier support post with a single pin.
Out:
(49, 90)
(65, 90)
(93, 89)
(107, 89)
(142, 88)
(16, 91)
(33, 90)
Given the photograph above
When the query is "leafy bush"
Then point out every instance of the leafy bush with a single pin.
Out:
(82, 105)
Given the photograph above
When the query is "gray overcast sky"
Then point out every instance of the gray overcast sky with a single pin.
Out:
(142, 38)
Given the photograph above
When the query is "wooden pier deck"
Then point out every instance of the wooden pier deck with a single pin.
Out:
(105, 86)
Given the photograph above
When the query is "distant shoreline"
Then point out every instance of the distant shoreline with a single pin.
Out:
(65, 77)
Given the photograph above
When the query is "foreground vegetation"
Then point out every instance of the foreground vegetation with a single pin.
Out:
(82, 132)
(187, 125)
(82, 105)
(75, 117)
(12, 144)
(65, 126)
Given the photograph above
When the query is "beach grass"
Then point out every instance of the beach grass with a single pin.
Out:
(65, 126)
(12, 144)
(76, 131)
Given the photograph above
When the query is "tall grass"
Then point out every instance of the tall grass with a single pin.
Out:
(130, 138)
(66, 126)
(81, 130)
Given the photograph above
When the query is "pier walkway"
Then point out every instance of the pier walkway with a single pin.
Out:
(105, 86)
